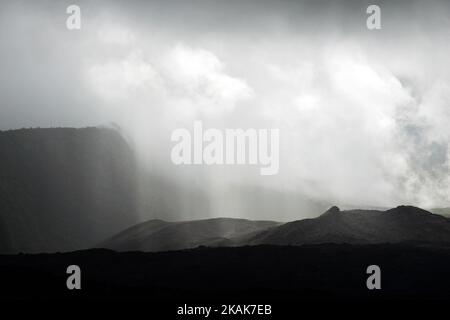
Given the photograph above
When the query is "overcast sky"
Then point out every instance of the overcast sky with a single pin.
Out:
(363, 115)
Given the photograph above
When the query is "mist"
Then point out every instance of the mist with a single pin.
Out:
(363, 115)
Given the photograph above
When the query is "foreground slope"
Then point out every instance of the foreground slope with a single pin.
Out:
(254, 274)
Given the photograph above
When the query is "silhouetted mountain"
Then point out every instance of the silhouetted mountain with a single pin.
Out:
(158, 235)
(401, 224)
(64, 189)
(398, 225)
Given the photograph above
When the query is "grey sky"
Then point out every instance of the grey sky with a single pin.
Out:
(363, 114)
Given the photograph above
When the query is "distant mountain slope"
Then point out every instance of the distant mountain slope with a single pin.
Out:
(441, 211)
(401, 224)
(63, 189)
(158, 235)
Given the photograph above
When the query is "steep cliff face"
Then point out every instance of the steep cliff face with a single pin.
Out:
(64, 189)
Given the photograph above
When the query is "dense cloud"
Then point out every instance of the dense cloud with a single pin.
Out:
(363, 115)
